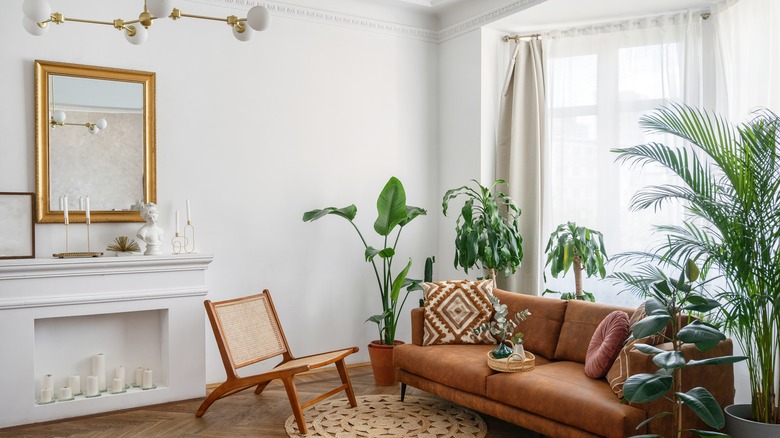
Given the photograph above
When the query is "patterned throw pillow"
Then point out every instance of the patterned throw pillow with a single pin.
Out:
(454, 308)
(617, 375)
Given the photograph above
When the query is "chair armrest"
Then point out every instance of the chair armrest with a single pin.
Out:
(718, 379)
(418, 323)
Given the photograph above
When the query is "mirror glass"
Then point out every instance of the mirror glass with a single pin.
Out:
(95, 138)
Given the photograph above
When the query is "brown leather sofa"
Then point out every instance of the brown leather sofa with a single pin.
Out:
(555, 399)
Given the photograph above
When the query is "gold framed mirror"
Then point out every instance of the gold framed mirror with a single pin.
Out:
(94, 137)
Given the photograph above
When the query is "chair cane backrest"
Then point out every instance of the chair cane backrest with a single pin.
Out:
(249, 329)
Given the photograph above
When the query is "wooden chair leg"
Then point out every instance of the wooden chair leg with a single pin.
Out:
(215, 395)
(403, 391)
(261, 387)
(345, 380)
(295, 403)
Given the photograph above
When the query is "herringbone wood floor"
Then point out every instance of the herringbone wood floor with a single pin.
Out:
(244, 414)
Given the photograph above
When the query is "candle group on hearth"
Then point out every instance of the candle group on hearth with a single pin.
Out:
(95, 383)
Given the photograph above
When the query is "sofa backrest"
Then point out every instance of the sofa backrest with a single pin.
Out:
(580, 322)
(543, 327)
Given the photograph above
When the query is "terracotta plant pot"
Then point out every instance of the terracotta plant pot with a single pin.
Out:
(381, 356)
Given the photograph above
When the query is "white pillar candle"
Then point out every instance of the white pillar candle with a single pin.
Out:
(81, 203)
(189, 216)
(48, 383)
(120, 374)
(46, 395)
(139, 376)
(116, 385)
(177, 222)
(147, 382)
(99, 370)
(66, 393)
(65, 209)
(74, 382)
(92, 386)
(87, 208)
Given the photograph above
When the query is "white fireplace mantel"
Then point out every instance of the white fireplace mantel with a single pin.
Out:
(137, 310)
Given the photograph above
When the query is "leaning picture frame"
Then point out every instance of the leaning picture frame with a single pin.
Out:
(17, 225)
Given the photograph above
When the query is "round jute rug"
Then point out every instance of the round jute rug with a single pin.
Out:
(386, 416)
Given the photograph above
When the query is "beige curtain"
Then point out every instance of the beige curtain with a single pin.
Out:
(520, 158)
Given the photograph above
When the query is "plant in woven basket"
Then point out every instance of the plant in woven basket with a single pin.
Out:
(503, 327)
(666, 300)
(124, 244)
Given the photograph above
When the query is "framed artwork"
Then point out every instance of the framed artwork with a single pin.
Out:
(17, 226)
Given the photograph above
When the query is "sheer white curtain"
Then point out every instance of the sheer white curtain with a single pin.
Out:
(600, 80)
(749, 42)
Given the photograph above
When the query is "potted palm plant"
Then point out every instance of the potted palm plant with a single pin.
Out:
(730, 186)
(575, 247)
(485, 238)
(392, 215)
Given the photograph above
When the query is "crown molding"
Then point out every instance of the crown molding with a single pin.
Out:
(320, 16)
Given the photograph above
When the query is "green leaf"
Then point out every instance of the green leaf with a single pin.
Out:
(704, 405)
(347, 213)
(707, 433)
(663, 288)
(398, 282)
(658, 415)
(370, 253)
(390, 207)
(691, 270)
(650, 325)
(411, 213)
(717, 360)
(645, 387)
(378, 319)
(704, 336)
(655, 307)
(649, 349)
(669, 360)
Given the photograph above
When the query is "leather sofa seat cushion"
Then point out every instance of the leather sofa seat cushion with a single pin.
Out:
(581, 320)
(562, 392)
(542, 328)
(459, 366)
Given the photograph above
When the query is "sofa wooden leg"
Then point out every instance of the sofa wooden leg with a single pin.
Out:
(403, 391)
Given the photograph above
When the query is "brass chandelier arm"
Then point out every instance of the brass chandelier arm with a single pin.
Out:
(231, 20)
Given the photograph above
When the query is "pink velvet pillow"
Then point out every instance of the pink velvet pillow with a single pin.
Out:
(605, 344)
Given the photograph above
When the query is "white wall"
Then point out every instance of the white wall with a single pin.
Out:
(307, 115)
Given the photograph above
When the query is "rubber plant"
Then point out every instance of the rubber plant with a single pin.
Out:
(484, 238)
(571, 246)
(392, 215)
(666, 300)
(729, 185)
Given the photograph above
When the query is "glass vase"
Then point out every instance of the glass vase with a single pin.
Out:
(502, 351)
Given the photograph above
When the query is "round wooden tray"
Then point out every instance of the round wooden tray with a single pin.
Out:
(512, 364)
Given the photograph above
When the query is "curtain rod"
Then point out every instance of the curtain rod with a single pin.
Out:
(516, 38)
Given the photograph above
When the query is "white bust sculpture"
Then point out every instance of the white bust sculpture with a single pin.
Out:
(151, 233)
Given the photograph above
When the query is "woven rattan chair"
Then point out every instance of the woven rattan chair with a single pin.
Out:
(248, 331)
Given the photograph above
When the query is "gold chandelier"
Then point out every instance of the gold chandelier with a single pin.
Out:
(38, 15)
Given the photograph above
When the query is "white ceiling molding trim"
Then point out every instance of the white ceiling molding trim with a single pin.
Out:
(484, 19)
(333, 18)
(367, 24)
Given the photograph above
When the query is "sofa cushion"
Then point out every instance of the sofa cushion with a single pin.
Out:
(460, 366)
(605, 344)
(560, 391)
(542, 328)
(579, 324)
(454, 308)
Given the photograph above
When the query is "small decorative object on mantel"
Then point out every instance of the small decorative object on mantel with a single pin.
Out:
(151, 233)
(184, 241)
(65, 210)
(502, 327)
(124, 246)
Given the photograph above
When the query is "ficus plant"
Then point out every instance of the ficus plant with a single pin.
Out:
(487, 231)
(571, 246)
(666, 301)
(392, 216)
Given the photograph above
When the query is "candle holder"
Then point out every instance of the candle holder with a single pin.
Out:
(184, 241)
(68, 254)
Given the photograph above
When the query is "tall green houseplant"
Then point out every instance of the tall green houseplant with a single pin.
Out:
(730, 186)
(484, 238)
(571, 246)
(392, 215)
